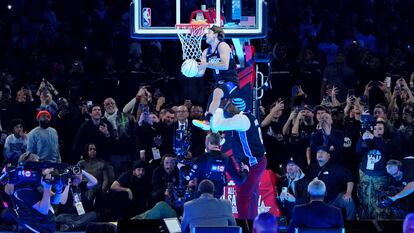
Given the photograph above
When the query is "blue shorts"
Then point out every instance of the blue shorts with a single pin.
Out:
(230, 89)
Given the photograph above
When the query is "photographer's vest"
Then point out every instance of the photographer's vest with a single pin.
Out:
(215, 170)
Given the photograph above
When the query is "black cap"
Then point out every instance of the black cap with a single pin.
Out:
(138, 164)
(337, 110)
(308, 107)
(320, 107)
(323, 148)
(291, 161)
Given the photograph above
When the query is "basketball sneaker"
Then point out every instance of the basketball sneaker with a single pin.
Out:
(203, 124)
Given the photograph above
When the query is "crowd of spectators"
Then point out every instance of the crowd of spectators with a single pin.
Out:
(71, 77)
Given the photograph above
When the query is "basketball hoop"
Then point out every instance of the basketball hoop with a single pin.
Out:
(190, 35)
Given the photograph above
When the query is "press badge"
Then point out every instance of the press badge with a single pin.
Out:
(78, 204)
(156, 153)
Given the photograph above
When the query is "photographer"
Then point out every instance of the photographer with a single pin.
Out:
(33, 202)
(75, 211)
(213, 165)
(165, 175)
(403, 174)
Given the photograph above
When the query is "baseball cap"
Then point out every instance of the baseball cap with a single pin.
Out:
(323, 148)
(43, 112)
(138, 164)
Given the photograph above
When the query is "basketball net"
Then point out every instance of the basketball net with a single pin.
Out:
(190, 36)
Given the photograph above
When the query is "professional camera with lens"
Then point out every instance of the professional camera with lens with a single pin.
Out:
(397, 209)
(31, 173)
(62, 178)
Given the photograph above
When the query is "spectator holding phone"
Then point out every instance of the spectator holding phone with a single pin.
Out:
(303, 126)
(124, 135)
(97, 131)
(374, 148)
(272, 128)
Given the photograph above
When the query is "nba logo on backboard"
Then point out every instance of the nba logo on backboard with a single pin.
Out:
(146, 17)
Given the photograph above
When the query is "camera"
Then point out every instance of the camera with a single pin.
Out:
(397, 209)
(31, 173)
(62, 178)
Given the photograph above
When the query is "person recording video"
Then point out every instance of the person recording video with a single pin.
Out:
(33, 201)
(403, 175)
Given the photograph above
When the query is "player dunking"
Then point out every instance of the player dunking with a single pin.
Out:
(218, 57)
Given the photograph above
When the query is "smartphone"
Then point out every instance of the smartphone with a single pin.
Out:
(284, 189)
(398, 88)
(375, 83)
(351, 92)
(89, 103)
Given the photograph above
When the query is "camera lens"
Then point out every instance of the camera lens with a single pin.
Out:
(76, 170)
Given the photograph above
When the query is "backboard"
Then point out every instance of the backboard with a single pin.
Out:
(156, 19)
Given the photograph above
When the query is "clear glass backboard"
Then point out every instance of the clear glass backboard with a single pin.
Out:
(157, 19)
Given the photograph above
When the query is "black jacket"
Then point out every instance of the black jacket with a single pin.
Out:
(90, 133)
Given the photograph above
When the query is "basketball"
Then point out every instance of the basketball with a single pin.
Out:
(189, 68)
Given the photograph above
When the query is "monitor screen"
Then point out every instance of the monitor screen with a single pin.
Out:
(173, 225)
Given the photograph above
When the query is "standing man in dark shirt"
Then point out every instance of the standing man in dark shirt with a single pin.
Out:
(303, 126)
(97, 131)
(218, 57)
(182, 128)
(338, 180)
(130, 191)
(273, 138)
(327, 137)
(213, 165)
